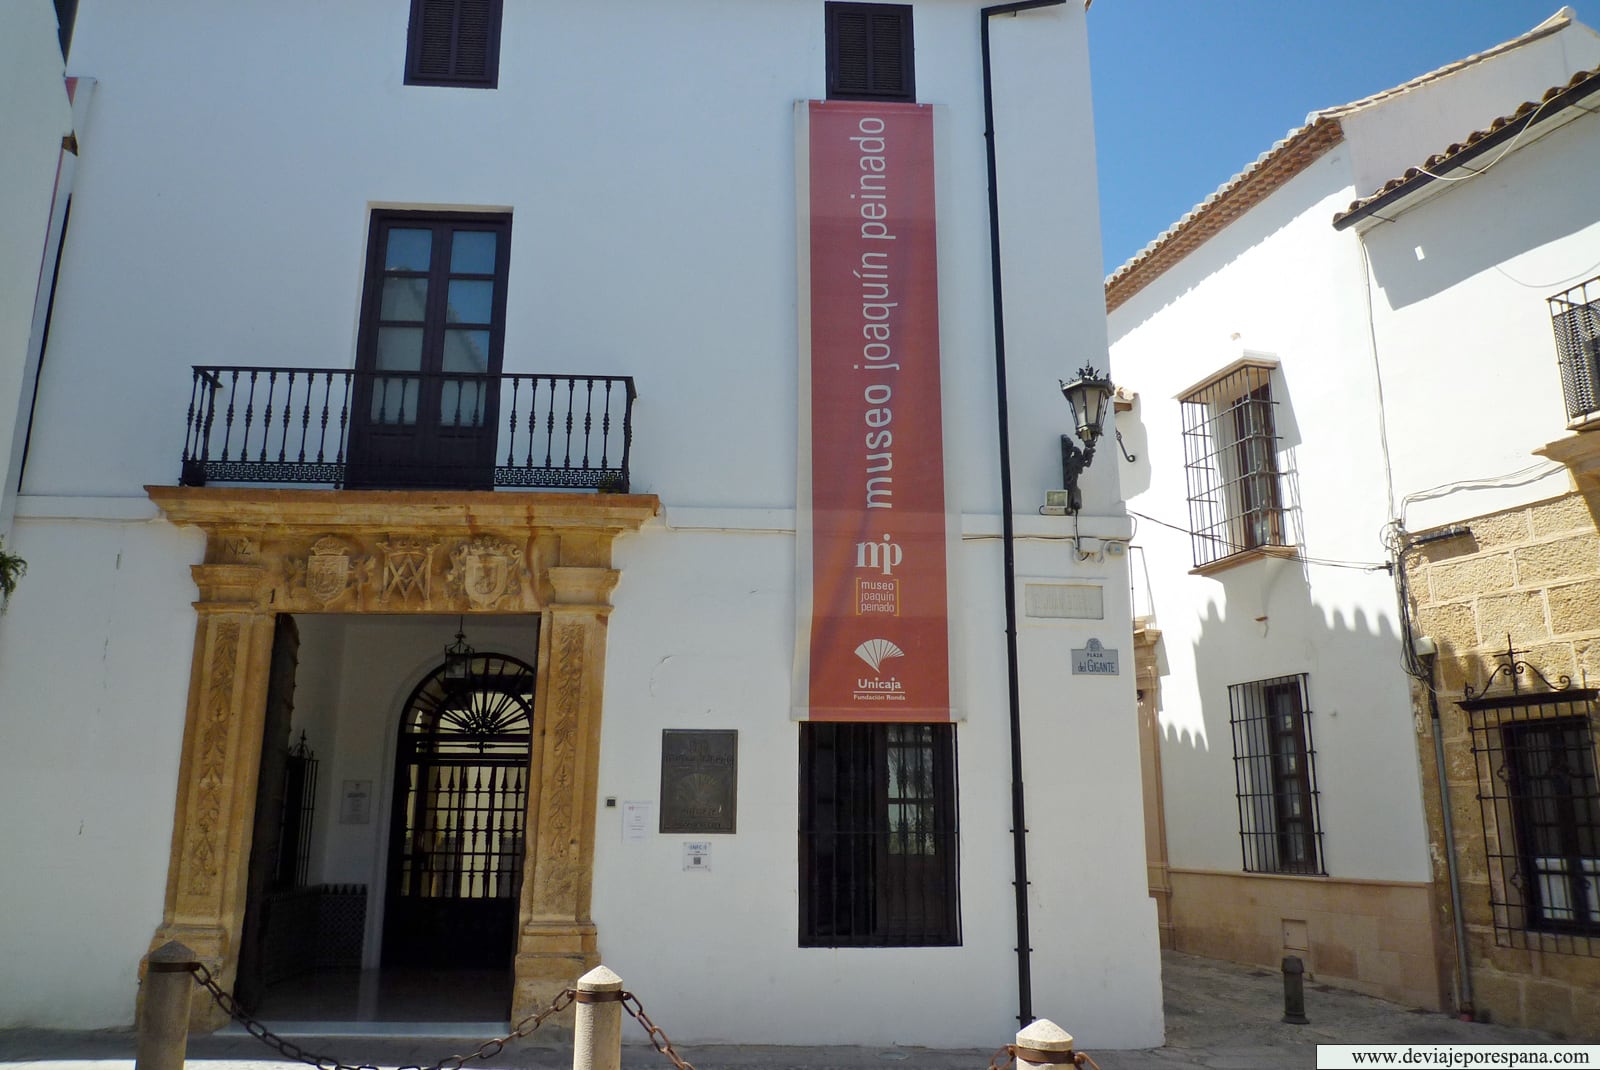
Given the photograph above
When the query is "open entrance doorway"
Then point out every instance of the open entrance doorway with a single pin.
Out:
(389, 888)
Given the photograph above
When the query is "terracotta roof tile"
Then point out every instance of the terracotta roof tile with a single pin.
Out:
(1529, 113)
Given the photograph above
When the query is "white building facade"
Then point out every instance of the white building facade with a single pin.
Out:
(343, 250)
(1302, 400)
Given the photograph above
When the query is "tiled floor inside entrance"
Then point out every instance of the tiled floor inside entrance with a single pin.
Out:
(377, 996)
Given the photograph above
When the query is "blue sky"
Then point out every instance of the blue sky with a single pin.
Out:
(1188, 92)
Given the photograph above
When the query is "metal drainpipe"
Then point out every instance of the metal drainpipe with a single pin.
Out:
(1464, 1001)
(1019, 828)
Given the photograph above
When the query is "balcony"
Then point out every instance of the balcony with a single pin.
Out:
(1575, 317)
(408, 430)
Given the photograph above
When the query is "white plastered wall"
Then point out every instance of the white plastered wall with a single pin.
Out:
(34, 117)
(1524, 231)
(653, 235)
(1279, 284)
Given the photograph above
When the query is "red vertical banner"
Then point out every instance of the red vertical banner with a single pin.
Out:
(875, 532)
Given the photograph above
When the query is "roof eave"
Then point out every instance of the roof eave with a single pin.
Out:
(1553, 113)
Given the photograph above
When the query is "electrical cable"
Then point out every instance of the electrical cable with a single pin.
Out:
(1330, 562)
(1526, 124)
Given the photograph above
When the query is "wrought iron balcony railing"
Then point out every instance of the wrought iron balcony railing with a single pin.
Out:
(1575, 316)
(371, 430)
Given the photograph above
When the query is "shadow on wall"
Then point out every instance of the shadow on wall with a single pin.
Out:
(1134, 476)
(1267, 626)
(1522, 210)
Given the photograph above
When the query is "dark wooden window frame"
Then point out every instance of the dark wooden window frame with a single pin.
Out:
(373, 470)
(457, 71)
(864, 26)
(879, 865)
(1280, 830)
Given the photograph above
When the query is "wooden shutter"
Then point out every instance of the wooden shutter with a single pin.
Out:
(454, 42)
(870, 52)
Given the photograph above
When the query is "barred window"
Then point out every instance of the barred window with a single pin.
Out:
(877, 835)
(1540, 803)
(454, 42)
(1575, 316)
(1230, 450)
(1274, 766)
(870, 54)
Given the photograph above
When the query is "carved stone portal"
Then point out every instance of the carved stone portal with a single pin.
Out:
(275, 551)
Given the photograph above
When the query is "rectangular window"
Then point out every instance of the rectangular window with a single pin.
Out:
(1275, 772)
(429, 352)
(454, 42)
(877, 835)
(1230, 449)
(870, 54)
(1575, 317)
(1540, 801)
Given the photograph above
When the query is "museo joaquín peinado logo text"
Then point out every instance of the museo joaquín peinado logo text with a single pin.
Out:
(878, 595)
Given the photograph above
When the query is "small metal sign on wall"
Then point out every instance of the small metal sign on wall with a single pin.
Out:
(1094, 659)
(699, 780)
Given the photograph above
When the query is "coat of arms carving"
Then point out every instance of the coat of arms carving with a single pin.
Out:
(329, 571)
(408, 571)
(485, 571)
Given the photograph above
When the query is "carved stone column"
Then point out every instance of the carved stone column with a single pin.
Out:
(221, 757)
(557, 942)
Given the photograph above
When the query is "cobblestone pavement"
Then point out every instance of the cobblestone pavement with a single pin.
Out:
(1220, 1016)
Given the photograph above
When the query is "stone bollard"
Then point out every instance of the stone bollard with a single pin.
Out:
(1044, 1043)
(597, 1028)
(1294, 991)
(164, 1014)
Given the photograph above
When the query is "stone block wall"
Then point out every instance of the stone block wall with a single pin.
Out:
(1527, 578)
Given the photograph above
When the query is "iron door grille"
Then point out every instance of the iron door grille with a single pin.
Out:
(1539, 798)
(461, 794)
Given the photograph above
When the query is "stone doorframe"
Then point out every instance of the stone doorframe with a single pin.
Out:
(396, 552)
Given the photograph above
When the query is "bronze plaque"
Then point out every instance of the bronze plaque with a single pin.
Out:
(699, 779)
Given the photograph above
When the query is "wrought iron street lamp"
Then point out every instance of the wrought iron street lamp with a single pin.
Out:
(1088, 394)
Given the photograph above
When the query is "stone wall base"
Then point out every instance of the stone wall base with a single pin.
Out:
(1373, 937)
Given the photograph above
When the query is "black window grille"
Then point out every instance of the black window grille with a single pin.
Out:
(299, 809)
(1534, 756)
(1230, 452)
(870, 52)
(1274, 765)
(454, 42)
(1575, 316)
(878, 844)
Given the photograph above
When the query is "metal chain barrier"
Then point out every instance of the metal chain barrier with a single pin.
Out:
(290, 1050)
(631, 1004)
(1003, 1059)
(1006, 1058)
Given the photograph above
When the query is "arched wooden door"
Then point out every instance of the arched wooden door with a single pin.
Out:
(457, 838)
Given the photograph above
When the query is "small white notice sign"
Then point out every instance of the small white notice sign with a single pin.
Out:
(1092, 659)
(355, 802)
(697, 856)
(636, 821)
